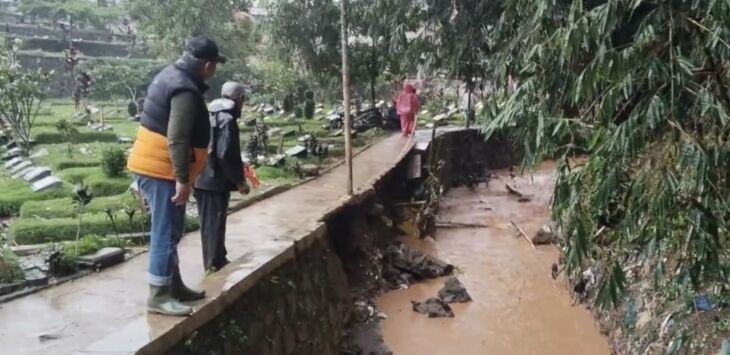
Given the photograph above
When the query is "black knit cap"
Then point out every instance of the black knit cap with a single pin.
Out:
(204, 48)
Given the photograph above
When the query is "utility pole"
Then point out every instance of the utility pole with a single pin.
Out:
(346, 95)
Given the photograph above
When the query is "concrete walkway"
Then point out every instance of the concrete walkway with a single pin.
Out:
(70, 317)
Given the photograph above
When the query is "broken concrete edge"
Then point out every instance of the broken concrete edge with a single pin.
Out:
(174, 330)
(170, 331)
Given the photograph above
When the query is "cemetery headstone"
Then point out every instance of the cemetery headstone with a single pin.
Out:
(20, 166)
(103, 258)
(12, 153)
(37, 173)
(47, 183)
(13, 162)
(297, 151)
(21, 172)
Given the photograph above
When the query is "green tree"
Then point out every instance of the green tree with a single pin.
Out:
(381, 45)
(167, 24)
(21, 93)
(120, 80)
(305, 34)
(643, 89)
(457, 39)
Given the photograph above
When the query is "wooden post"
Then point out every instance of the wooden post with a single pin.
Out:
(346, 95)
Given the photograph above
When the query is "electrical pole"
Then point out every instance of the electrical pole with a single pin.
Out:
(346, 95)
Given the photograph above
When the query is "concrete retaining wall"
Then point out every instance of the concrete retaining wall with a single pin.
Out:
(300, 301)
(298, 308)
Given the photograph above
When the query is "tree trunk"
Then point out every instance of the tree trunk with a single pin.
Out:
(373, 74)
(468, 105)
(346, 95)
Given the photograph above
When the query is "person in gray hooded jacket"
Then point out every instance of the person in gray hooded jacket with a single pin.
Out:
(222, 174)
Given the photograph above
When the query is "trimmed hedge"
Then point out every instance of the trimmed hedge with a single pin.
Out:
(14, 193)
(36, 231)
(68, 164)
(107, 186)
(77, 175)
(61, 208)
(55, 137)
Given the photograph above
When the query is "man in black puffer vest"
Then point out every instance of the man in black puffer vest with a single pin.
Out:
(223, 173)
(169, 153)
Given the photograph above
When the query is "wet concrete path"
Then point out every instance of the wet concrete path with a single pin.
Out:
(517, 309)
(70, 317)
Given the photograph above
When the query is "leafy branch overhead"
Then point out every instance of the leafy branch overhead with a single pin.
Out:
(643, 89)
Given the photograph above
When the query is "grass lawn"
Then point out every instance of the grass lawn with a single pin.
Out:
(51, 216)
(15, 192)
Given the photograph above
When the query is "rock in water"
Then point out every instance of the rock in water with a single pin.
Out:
(544, 236)
(415, 262)
(434, 308)
(454, 292)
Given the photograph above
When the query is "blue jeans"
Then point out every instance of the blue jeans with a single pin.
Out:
(168, 222)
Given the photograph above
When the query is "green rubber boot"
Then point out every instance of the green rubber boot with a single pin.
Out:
(161, 302)
(181, 292)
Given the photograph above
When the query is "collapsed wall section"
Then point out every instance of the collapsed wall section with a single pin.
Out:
(305, 301)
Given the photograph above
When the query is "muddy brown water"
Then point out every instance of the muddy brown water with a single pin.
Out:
(517, 307)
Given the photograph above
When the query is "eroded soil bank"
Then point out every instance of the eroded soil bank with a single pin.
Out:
(517, 307)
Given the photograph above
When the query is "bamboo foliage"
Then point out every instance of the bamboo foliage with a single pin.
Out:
(642, 88)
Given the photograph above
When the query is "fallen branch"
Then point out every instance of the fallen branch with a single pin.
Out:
(534, 249)
(460, 225)
(524, 235)
(513, 191)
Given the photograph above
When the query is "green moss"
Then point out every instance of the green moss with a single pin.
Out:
(34, 230)
(61, 208)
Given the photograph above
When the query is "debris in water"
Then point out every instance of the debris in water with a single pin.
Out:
(702, 303)
(521, 197)
(403, 265)
(544, 236)
(48, 337)
(454, 292)
(434, 308)
(554, 271)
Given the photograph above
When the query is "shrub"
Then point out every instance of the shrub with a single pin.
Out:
(68, 164)
(9, 267)
(309, 109)
(288, 103)
(299, 111)
(86, 136)
(102, 185)
(59, 208)
(77, 175)
(35, 231)
(113, 161)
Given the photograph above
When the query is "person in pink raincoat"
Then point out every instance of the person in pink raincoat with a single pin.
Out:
(408, 106)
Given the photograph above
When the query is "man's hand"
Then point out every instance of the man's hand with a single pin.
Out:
(243, 189)
(182, 193)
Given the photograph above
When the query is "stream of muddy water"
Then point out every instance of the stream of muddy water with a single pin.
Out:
(517, 308)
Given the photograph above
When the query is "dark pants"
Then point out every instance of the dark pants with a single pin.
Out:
(212, 210)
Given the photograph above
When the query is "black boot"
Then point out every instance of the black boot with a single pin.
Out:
(182, 292)
(160, 301)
